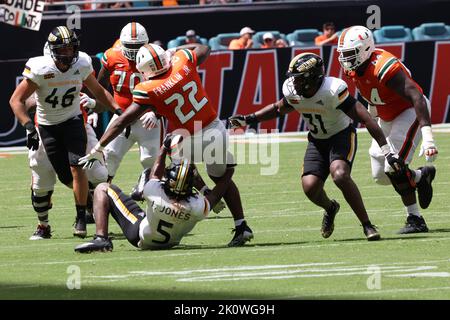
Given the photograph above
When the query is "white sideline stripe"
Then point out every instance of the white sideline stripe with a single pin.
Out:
(273, 272)
(352, 293)
(443, 127)
(422, 275)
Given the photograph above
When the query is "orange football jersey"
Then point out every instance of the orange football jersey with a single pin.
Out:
(178, 94)
(372, 84)
(123, 75)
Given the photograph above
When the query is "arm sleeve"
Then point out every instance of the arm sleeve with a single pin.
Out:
(347, 104)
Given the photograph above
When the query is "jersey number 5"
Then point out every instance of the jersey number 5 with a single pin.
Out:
(166, 235)
(197, 105)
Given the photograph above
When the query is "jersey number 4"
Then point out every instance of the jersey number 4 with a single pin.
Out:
(66, 99)
(197, 105)
(375, 97)
(160, 229)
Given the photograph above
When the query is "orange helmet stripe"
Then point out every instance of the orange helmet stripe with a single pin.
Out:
(155, 56)
(133, 30)
(342, 37)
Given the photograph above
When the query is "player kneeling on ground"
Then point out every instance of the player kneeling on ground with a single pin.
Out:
(173, 207)
(329, 108)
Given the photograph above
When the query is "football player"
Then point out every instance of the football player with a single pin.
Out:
(173, 207)
(174, 90)
(329, 109)
(56, 81)
(386, 84)
(119, 70)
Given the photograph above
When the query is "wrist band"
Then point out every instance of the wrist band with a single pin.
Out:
(427, 135)
(99, 147)
(29, 126)
(251, 119)
(118, 112)
(385, 150)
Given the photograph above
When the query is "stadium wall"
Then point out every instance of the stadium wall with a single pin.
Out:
(246, 80)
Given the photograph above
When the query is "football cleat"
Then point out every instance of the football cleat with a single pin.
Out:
(80, 227)
(371, 232)
(414, 224)
(41, 233)
(424, 187)
(328, 220)
(99, 243)
(242, 234)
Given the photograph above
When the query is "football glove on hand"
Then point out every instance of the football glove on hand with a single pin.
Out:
(394, 160)
(428, 148)
(220, 205)
(87, 102)
(167, 142)
(92, 119)
(149, 120)
(32, 137)
(96, 154)
(237, 121)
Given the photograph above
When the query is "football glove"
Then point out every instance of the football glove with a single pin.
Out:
(149, 120)
(96, 154)
(87, 102)
(220, 205)
(428, 147)
(239, 120)
(32, 136)
(394, 160)
(92, 119)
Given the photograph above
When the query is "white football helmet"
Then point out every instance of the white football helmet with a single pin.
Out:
(132, 37)
(152, 60)
(355, 46)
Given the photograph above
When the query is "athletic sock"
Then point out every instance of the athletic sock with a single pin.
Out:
(43, 218)
(238, 222)
(413, 210)
(417, 175)
(81, 211)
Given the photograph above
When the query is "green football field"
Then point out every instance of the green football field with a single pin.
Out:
(287, 259)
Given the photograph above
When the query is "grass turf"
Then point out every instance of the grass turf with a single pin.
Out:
(288, 258)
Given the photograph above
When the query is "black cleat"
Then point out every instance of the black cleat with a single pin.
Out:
(80, 227)
(328, 220)
(414, 224)
(99, 243)
(242, 234)
(371, 232)
(41, 233)
(424, 187)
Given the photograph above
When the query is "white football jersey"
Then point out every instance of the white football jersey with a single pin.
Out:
(168, 220)
(319, 111)
(58, 93)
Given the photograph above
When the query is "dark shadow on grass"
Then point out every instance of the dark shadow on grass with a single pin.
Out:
(405, 237)
(12, 227)
(439, 230)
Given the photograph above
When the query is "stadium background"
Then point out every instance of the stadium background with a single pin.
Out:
(231, 77)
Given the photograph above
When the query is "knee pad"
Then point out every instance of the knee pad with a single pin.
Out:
(97, 174)
(403, 181)
(42, 201)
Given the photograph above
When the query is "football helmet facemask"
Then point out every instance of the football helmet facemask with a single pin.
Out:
(132, 37)
(152, 60)
(179, 179)
(355, 47)
(306, 72)
(59, 40)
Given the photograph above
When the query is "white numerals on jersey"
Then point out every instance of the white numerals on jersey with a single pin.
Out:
(122, 75)
(192, 86)
(375, 97)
